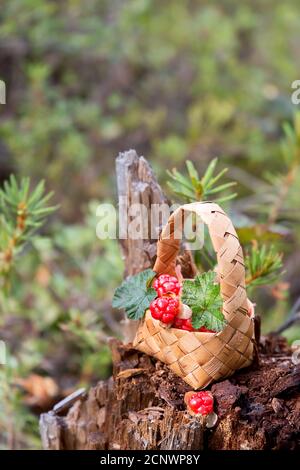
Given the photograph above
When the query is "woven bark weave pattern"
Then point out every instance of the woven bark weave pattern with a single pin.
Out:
(200, 358)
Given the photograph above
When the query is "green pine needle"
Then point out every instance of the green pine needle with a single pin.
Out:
(22, 213)
(263, 265)
(191, 187)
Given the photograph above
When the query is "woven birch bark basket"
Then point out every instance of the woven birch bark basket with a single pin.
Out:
(201, 358)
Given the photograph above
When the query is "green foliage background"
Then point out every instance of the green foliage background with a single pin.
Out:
(174, 80)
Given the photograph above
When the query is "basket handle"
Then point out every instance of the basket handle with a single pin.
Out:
(226, 244)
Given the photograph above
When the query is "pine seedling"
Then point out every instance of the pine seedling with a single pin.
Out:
(283, 182)
(22, 213)
(191, 187)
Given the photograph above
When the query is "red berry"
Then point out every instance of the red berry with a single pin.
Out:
(178, 322)
(165, 309)
(156, 313)
(166, 284)
(195, 403)
(183, 324)
(162, 303)
(167, 318)
(201, 402)
(205, 330)
(187, 325)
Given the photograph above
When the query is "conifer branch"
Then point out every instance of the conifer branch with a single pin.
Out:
(22, 212)
(263, 265)
(192, 188)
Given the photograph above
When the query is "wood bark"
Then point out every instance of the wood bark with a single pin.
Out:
(142, 405)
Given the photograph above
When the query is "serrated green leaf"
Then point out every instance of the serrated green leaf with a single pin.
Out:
(135, 294)
(203, 296)
(209, 320)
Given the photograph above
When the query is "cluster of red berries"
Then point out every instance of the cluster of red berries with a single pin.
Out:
(167, 305)
(165, 309)
(166, 284)
(201, 402)
(183, 324)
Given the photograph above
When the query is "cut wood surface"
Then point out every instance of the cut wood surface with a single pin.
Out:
(142, 405)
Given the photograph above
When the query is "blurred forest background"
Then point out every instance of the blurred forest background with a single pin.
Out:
(176, 80)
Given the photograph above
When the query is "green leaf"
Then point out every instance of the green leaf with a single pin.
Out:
(135, 294)
(203, 296)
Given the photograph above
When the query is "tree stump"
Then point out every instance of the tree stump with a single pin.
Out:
(141, 406)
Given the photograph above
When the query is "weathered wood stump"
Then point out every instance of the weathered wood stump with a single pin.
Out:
(141, 406)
